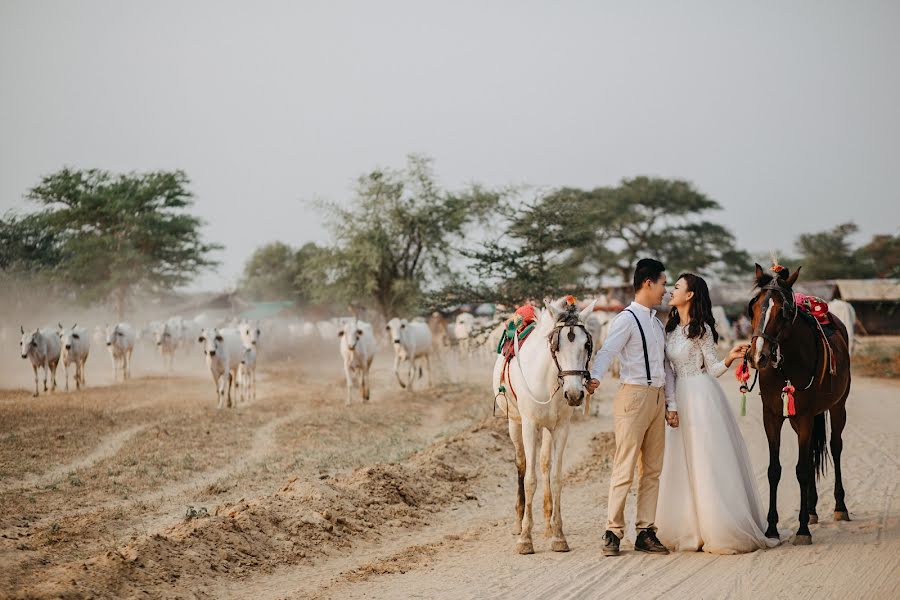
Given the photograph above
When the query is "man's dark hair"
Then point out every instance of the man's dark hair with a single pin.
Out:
(647, 268)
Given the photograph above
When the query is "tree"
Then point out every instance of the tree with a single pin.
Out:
(532, 257)
(830, 255)
(881, 256)
(657, 218)
(394, 238)
(276, 271)
(116, 233)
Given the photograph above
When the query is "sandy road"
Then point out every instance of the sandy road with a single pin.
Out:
(408, 496)
(472, 555)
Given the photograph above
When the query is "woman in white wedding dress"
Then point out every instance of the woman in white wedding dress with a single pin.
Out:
(707, 497)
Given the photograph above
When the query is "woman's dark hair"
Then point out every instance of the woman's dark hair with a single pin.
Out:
(701, 309)
(647, 268)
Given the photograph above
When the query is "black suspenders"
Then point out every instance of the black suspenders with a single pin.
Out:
(644, 342)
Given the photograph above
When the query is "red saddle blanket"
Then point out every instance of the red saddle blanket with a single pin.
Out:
(813, 305)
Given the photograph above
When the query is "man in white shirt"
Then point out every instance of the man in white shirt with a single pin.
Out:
(644, 402)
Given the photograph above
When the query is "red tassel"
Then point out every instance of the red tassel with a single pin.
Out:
(790, 408)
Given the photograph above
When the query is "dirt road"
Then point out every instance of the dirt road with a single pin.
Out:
(411, 495)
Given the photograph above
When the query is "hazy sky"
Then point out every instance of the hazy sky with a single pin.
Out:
(787, 113)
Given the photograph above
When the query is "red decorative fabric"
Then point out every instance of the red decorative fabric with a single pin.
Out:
(814, 306)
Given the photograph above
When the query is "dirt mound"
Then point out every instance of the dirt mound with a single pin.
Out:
(301, 522)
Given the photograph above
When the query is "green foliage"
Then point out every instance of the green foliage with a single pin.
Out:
(276, 271)
(106, 235)
(394, 238)
(567, 240)
(830, 254)
(657, 218)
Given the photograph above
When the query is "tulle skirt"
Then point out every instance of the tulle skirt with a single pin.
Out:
(707, 497)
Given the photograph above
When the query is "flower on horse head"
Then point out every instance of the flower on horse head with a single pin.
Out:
(776, 268)
(570, 300)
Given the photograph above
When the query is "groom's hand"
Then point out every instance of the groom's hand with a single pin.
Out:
(672, 418)
(592, 385)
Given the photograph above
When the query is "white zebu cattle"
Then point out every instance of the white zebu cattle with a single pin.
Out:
(247, 374)
(412, 341)
(120, 343)
(462, 331)
(357, 352)
(168, 340)
(224, 352)
(250, 334)
(847, 315)
(41, 347)
(76, 345)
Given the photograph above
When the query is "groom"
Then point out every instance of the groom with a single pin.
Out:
(645, 400)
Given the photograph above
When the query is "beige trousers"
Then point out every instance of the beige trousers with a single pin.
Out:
(640, 417)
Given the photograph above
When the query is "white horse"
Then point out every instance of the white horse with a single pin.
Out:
(545, 382)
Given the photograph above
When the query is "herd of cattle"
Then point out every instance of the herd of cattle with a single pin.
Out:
(231, 349)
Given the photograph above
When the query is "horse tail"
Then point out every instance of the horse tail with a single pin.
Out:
(819, 449)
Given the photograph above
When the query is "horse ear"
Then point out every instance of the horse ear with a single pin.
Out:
(759, 271)
(583, 315)
(60, 325)
(793, 277)
(22, 329)
(554, 312)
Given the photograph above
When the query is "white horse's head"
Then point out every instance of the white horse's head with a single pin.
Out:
(570, 346)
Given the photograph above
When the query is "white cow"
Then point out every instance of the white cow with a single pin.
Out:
(847, 315)
(247, 374)
(76, 345)
(42, 348)
(168, 340)
(250, 333)
(357, 351)
(120, 343)
(224, 352)
(462, 331)
(412, 341)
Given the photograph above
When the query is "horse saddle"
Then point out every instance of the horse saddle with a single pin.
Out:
(520, 325)
(815, 308)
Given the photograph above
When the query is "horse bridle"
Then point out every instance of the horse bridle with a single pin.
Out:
(571, 321)
(788, 311)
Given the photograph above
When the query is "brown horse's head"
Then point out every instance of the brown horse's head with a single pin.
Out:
(772, 311)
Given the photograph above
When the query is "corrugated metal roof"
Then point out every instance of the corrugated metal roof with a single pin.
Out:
(868, 289)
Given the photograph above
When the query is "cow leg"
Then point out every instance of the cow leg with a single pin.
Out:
(228, 383)
(838, 420)
(44, 370)
(53, 374)
(515, 434)
(66, 369)
(529, 437)
(560, 437)
(546, 455)
(34, 367)
(348, 376)
(220, 390)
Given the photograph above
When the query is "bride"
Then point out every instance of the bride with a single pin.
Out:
(707, 497)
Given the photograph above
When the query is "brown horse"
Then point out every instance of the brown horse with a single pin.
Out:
(787, 348)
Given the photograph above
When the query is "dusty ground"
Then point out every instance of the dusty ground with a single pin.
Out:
(411, 495)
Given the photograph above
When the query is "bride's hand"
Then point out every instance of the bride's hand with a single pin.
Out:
(737, 353)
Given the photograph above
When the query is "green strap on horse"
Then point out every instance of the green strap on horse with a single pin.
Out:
(510, 331)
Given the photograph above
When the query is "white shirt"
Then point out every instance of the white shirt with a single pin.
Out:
(624, 341)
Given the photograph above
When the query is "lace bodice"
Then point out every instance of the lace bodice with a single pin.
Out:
(689, 356)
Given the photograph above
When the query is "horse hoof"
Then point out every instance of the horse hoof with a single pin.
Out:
(559, 546)
(802, 540)
(525, 548)
(841, 515)
(813, 519)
